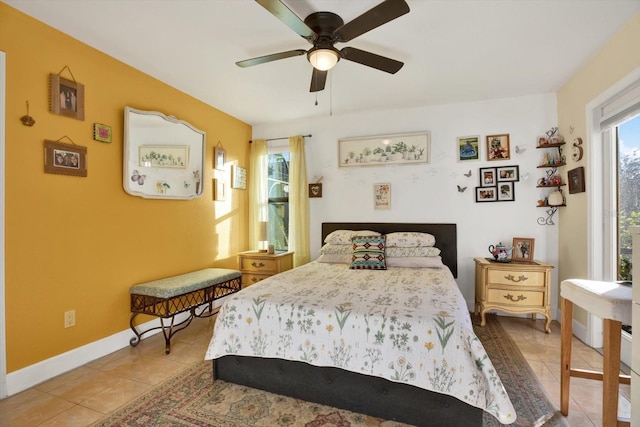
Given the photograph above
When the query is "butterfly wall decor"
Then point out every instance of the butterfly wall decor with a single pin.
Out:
(520, 150)
(461, 189)
(468, 174)
(136, 177)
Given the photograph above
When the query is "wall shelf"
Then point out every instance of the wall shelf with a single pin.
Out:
(551, 163)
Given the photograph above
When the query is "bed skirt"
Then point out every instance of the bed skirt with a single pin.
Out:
(355, 392)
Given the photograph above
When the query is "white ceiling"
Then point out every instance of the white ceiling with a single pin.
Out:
(453, 50)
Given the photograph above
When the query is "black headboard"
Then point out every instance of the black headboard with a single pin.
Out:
(445, 234)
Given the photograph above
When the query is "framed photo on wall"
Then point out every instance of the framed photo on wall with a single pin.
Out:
(498, 147)
(522, 249)
(506, 192)
(486, 194)
(508, 173)
(487, 177)
(468, 148)
(65, 159)
(576, 180)
(66, 97)
(219, 157)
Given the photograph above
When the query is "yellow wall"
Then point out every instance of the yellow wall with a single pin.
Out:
(616, 59)
(79, 243)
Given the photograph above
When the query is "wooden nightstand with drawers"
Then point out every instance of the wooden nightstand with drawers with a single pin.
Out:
(256, 266)
(514, 287)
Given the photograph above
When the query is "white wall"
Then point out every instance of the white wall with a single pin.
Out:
(428, 193)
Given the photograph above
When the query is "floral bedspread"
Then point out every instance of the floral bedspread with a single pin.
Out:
(404, 324)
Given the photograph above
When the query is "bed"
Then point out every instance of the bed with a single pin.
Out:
(396, 344)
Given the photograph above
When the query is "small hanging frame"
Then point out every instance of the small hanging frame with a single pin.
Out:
(66, 97)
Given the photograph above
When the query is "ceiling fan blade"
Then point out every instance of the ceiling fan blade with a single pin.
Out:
(386, 11)
(290, 19)
(372, 60)
(318, 79)
(269, 58)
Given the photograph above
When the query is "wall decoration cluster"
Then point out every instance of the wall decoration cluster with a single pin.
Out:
(397, 149)
(497, 184)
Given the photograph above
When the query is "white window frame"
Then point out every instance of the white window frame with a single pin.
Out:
(601, 203)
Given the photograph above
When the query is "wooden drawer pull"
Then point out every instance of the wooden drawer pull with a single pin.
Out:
(255, 279)
(521, 278)
(257, 264)
(515, 299)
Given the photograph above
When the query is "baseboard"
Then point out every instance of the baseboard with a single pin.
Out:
(40, 372)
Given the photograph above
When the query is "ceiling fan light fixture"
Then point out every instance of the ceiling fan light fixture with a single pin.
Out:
(323, 59)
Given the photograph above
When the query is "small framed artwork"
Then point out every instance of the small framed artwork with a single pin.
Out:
(522, 249)
(218, 190)
(487, 177)
(486, 194)
(498, 147)
(238, 177)
(508, 174)
(101, 133)
(468, 148)
(219, 157)
(66, 97)
(65, 159)
(382, 196)
(576, 180)
(506, 192)
(315, 190)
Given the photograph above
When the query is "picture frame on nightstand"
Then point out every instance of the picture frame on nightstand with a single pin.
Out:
(522, 249)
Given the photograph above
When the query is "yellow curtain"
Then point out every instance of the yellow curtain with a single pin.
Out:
(258, 187)
(298, 203)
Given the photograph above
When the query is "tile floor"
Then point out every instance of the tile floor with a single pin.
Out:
(93, 391)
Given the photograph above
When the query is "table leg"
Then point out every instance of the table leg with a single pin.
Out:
(566, 333)
(611, 372)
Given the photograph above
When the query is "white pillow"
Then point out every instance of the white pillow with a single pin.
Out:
(343, 237)
(416, 262)
(335, 258)
(336, 249)
(410, 240)
(413, 252)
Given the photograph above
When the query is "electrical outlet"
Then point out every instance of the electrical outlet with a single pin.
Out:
(69, 318)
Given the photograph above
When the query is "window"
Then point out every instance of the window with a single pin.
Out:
(278, 182)
(628, 191)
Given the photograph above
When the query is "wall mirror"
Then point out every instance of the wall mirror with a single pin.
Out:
(163, 156)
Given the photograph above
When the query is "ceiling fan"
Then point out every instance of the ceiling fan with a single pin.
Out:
(324, 29)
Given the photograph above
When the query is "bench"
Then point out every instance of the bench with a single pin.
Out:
(166, 298)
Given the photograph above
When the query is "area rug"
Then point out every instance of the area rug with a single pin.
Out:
(193, 399)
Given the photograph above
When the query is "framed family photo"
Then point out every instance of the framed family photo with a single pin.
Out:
(498, 147)
(486, 194)
(65, 159)
(522, 249)
(506, 192)
(66, 97)
(576, 180)
(508, 173)
(487, 177)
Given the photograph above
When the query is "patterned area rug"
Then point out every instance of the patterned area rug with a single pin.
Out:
(191, 399)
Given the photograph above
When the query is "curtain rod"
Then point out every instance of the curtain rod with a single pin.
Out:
(284, 137)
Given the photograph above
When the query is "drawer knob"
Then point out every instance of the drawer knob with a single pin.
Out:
(255, 279)
(515, 299)
(521, 278)
(257, 264)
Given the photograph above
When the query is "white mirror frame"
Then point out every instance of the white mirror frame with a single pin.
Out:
(163, 156)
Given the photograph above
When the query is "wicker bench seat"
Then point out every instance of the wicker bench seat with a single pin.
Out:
(166, 298)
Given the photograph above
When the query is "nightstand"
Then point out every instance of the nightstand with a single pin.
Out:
(514, 287)
(256, 266)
